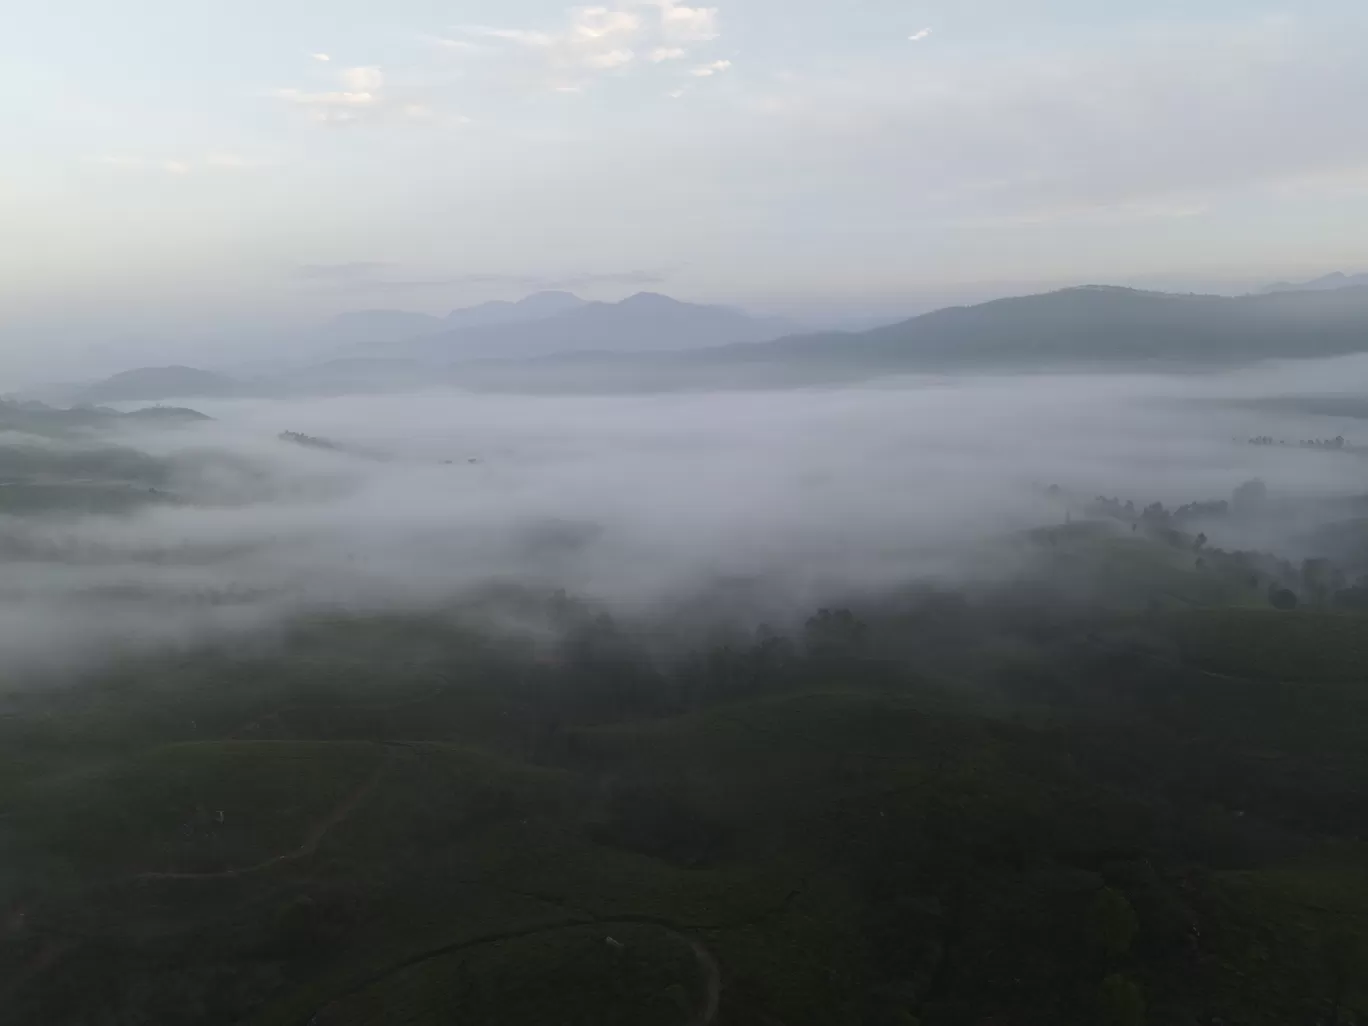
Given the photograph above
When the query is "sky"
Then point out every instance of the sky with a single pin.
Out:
(192, 167)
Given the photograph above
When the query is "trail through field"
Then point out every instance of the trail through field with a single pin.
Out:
(312, 839)
(708, 965)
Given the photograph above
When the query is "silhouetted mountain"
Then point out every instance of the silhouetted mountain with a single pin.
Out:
(1326, 283)
(535, 307)
(1094, 325)
(167, 415)
(1088, 327)
(153, 383)
(361, 327)
(38, 418)
(646, 322)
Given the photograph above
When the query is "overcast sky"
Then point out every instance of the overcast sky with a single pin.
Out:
(175, 161)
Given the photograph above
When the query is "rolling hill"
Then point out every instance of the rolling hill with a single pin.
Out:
(155, 383)
(1325, 283)
(1095, 325)
(643, 323)
(535, 307)
(652, 342)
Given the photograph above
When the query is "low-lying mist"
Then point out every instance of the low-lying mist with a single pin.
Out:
(643, 504)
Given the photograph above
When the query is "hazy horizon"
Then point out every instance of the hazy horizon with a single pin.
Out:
(226, 179)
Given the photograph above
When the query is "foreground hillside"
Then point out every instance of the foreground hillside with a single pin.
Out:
(936, 809)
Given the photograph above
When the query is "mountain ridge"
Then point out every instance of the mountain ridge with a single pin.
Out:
(643, 322)
(1325, 283)
(1098, 327)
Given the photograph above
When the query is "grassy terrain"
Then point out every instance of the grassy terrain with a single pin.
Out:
(940, 810)
(1268, 645)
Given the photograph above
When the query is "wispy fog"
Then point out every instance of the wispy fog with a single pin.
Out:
(637, 502)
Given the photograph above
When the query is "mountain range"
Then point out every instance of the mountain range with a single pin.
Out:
(153, 383)
(1325, 283)
(369, 329)
(546, 324)
(1099, 325)
(1089, 327)
(653, 342)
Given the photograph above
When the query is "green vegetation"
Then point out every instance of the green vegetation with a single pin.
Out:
(1119, 788)
(1267, 644)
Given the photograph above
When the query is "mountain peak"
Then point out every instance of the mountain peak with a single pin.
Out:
(1325, 283)
(547, 303)
(154, 383)
(651, 299)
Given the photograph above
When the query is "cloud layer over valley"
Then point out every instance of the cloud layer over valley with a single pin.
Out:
(786, 498)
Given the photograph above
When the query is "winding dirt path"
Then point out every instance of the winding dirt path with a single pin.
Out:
(712, 981)
(312, 839)
(708, 965)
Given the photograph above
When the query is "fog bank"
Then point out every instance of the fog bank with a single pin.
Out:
(635, 502)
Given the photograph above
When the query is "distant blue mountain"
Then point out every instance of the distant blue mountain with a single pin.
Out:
(1326, 283)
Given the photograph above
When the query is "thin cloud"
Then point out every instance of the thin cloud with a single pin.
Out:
(607, 39)
(524, 37)
(688, 24)
(709, 70)
(329, 106)
(321, 57)
(177, 165)
(917, 37)
(611, 59)
(366, 79)
(121, 160)
(447, 43)
(355, 270)
(592, 23)
(1119, 131)
(379, 276)
(362, 95)
(229, 160)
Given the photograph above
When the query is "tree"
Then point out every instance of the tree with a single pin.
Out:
(1122, 1002)
(1342, 953)
(1112, 923)
(1249, 497)
(1282, 598)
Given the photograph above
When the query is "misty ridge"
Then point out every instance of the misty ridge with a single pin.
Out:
(656, 489)
(554, 342)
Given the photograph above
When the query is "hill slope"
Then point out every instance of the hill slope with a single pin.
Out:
(1328, 282)
(530, 308)
(1096, 325)
(1087, 327)
(154, 383)
(644, 323)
